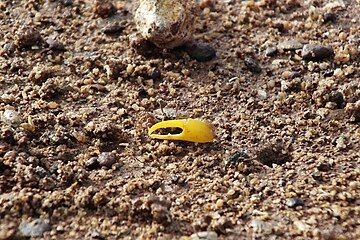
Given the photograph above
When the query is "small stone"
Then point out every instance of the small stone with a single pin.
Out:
(315, 52)
(107, 159)
(11, 117)
(219, 203)
(338, 98)
(52, 105)
(236, 158)
(329, 17)
(28, 37)
(271, 51)
(8, 49)
(262, 94)
(114, 29)
(328, 73)
(92, 163)
(324, 167)
(167, 24)
(290, 45)
(35, 228)
(294, 202)
(104, 8)
(273, 154)
(67, 2)
(201, 52)
(207, 235)
(55, 45)
(340, 143)
(252, 64)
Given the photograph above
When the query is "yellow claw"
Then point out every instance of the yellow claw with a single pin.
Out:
(193, 130)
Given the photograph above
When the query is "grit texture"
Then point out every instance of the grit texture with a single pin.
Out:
(77, 98)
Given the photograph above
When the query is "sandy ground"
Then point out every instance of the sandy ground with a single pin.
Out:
(76, 102)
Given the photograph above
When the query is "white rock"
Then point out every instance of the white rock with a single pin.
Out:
(166, 23)
(10, 117)
(262, 94)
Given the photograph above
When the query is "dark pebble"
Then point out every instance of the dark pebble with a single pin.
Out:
(92, 163)
(104, 8)
(324, 167)
(328, 73)
(155, 74)
(28, 37)
(115, 29)
(106, 159)
(252, 64)
(35, 228)
(315, 52)
(201, 52)
(273, 154)
(67, 2)
(271, 51)
(329, 17)
(236, 158)
(338, 98)
(294, 202)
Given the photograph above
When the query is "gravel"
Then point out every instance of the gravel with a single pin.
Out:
(96, 100)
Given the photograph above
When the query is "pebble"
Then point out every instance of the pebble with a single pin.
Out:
(271, 51)
(329, 17)
(55, 45)
(104, 8)
(328, 73)
(167, 24)
(338, 98)
(92, 163)
(8, 49)
(201, 52)
(290, 45)
(315, 52)
(67, 2)
(28, 37)
(206, 235)
(106, 159)
(294, 202)
(35, 228)
(11, 117)
(236, 158)
(252, 64)
(273, 154)
(113, 29)
(262, 94)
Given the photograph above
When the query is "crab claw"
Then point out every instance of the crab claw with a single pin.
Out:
(193, 130)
